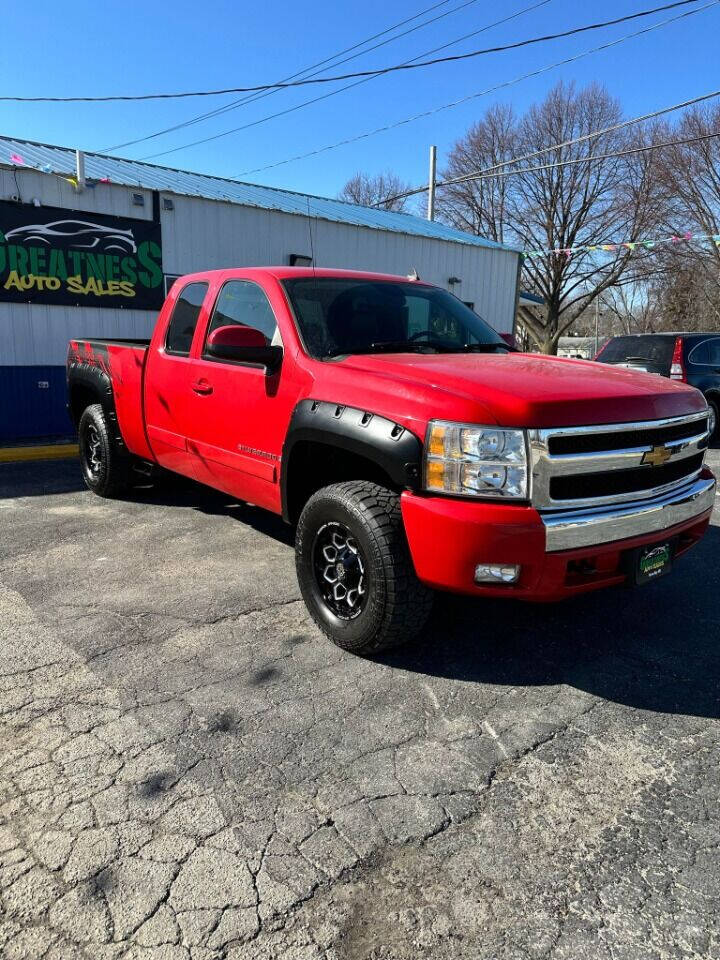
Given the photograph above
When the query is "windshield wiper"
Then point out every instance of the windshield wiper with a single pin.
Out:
(484, 347)
(636, 359)
(395, 346)
(405, 346)
(419, 346)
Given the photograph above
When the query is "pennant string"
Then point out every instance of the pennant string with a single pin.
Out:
(674, 240)
(16, 160)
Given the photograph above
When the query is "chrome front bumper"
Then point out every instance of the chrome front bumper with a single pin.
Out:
(570, 529)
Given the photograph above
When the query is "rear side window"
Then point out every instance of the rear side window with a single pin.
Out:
(186, 311)
(700, 353)
(242, 303)
(707, 353)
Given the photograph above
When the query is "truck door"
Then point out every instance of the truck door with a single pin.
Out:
(239, 425)
(169, 381)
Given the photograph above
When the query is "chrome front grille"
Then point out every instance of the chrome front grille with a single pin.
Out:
(615, 463)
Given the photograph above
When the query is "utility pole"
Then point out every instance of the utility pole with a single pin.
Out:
(597, 325)
(431, 184)
(80, 170)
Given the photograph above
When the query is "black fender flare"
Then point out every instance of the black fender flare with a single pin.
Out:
(94, 377)
(389, 445)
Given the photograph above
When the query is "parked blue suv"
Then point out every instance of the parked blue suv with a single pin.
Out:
(693, 358)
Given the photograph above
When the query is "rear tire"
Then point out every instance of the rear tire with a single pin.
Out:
(106, 470)
(355, 570)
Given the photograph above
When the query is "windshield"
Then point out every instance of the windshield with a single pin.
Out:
(645, 350)
(340, 315)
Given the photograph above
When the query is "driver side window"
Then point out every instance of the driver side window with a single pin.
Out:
(243, 303)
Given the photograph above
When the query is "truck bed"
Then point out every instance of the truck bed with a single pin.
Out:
(109, 341)
(122, 363)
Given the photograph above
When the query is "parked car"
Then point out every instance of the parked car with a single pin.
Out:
(412, 449)
(692, 358)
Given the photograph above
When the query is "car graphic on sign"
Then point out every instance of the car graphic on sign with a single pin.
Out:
(75, 234)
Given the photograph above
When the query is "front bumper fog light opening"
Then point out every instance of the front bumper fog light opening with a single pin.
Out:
(497, 573)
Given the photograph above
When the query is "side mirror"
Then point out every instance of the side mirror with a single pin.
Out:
(243, 345)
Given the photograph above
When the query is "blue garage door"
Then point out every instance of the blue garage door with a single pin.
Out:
(32, 404)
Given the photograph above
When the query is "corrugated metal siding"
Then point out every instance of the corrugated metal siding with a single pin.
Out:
(32, 403)
(202, 234)
(38, 334)
(199, 234)
(181, 182)
(56, 192)
(32, 334)
(215, 223)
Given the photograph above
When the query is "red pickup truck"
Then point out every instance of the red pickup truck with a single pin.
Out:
(410, 446)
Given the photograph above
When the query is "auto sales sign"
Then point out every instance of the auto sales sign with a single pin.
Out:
(75, 258)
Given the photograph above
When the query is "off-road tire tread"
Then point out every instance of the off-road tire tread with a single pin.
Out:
(118, 464)
(408, 602)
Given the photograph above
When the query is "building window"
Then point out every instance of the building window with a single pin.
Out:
(168, 280)
(300, 260)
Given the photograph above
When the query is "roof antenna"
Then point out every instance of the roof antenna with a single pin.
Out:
(312, 247)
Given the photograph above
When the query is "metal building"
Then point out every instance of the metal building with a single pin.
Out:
(89, 244)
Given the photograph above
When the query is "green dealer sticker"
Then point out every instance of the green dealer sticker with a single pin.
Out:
(655, 561)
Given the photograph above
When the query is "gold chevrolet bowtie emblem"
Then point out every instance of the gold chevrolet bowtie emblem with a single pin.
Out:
(657, 456)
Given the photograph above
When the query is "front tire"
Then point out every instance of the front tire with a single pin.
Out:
(105, 469)
(355, 571)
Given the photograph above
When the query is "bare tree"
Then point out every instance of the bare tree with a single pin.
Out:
(634, 307)
(690, 178)
(690, 173)
(481, 206)
(557, 207)
(688, 293)
(380, 191)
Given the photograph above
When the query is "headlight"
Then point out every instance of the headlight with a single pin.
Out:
(475, 461)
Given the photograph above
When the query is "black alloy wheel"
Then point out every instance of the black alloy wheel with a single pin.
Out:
(92, 450)
(354, 568)
(340, 570)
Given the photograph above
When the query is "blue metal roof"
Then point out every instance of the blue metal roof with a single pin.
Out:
(532, 297)
(132, 173)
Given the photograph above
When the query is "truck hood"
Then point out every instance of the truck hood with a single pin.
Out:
(515, 389)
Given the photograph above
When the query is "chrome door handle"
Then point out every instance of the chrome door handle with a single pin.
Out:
(202, 387)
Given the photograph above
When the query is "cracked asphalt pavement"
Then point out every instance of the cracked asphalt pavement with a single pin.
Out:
(190, 771)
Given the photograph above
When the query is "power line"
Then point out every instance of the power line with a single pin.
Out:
(363, 73)
(269, 93)
(582, 139)
(333, 93)
(472, 177)
(494, 171)
(321, 63)
(474, 96)
(349, 86)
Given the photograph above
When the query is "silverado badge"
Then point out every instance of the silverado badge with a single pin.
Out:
(657, 456)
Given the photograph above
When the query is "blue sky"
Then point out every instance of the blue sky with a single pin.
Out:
(136, 47)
